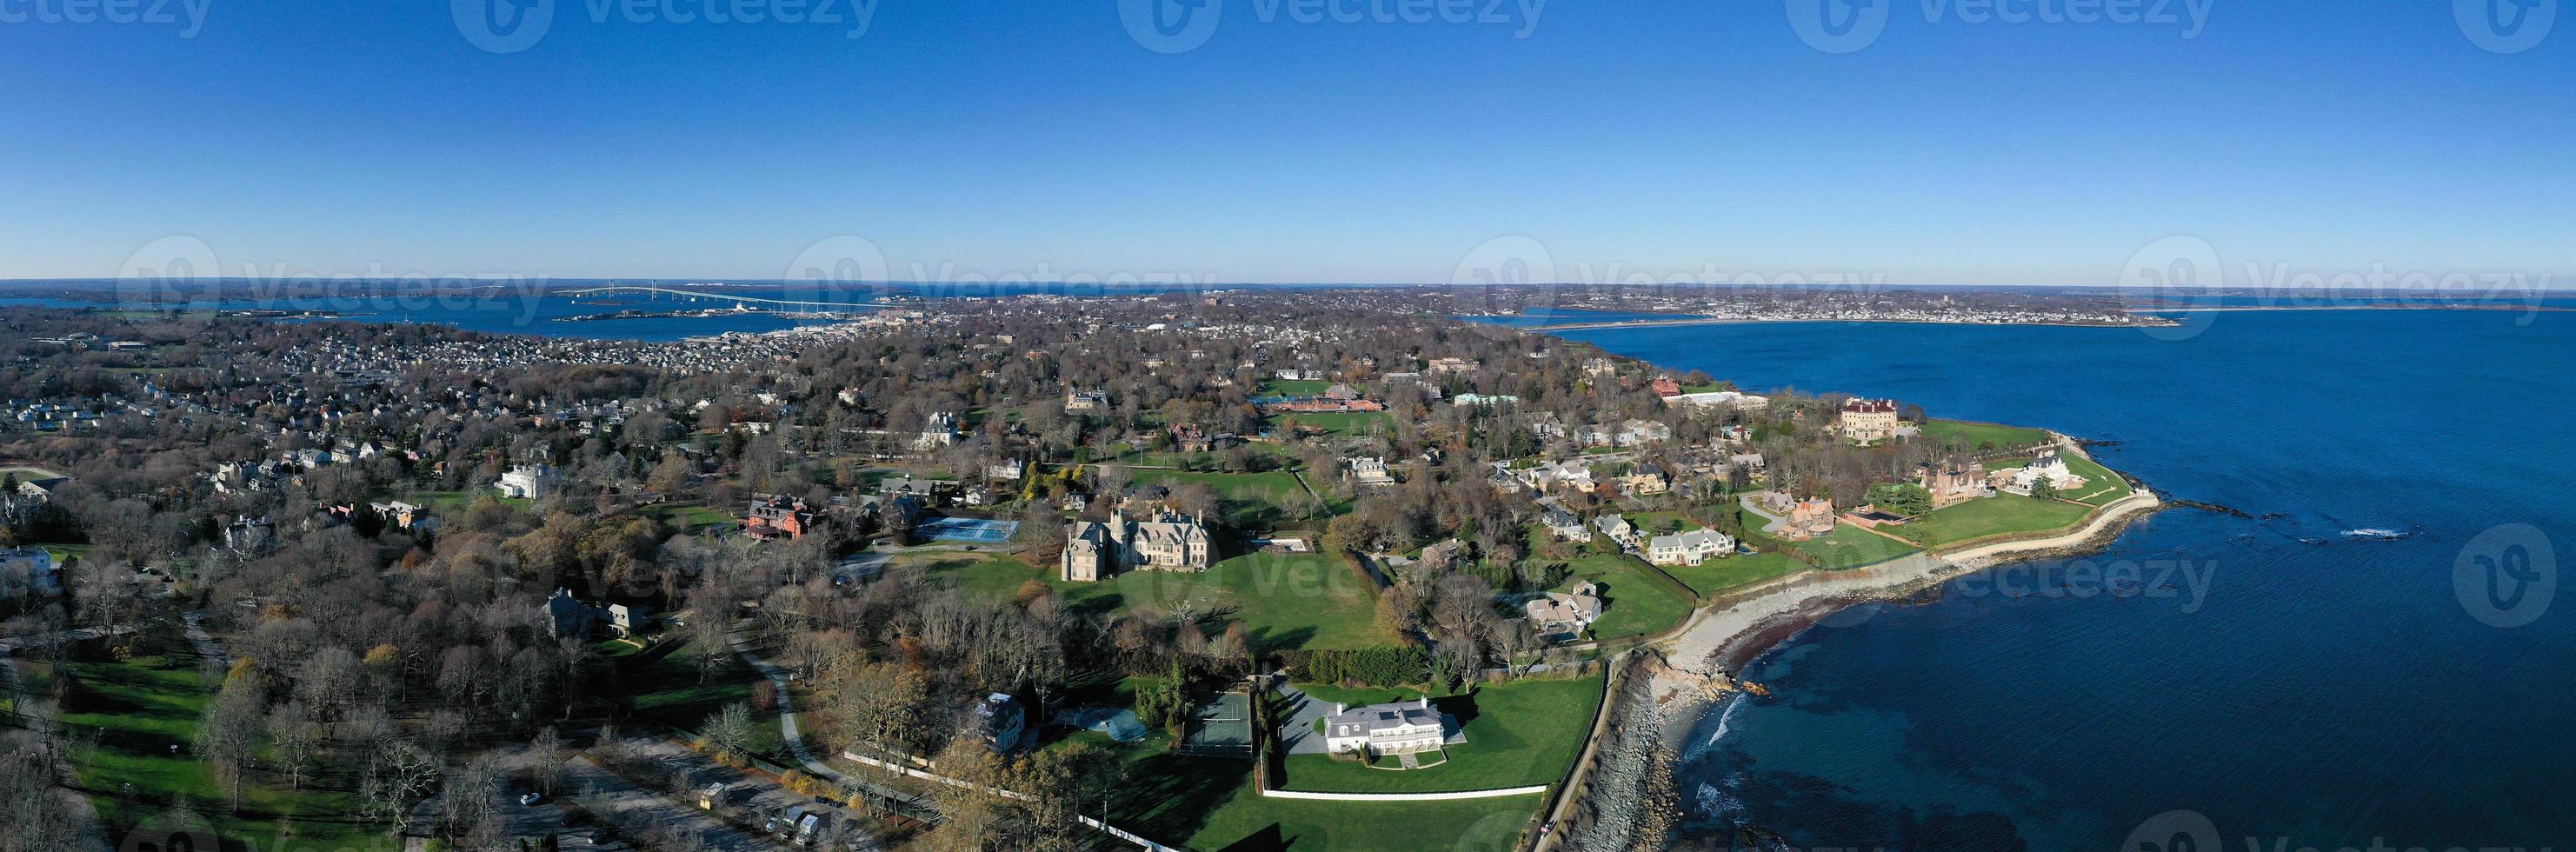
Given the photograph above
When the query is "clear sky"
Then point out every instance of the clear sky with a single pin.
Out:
(1001, 138)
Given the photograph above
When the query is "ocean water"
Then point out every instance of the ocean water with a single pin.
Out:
(2339, 670)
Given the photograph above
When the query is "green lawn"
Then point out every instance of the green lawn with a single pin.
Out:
(1519, 734)
(145, 705)
(1286, 601)
(1997, 515)
(1249, 823)
(64, 552)
(1718, 575)
(30, 473)
(1976, 435)
(690, 517)
(2101, 486)
(1636, 603)
(1284, 387)
(1852, 547)
(1252, 500)
(1340, 422)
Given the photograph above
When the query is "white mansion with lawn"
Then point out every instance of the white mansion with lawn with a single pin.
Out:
(1382, 729)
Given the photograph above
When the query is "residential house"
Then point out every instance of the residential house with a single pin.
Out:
(1646, 479)
(1869, 421)
(533, 482)
(1170, 542)
(1561, 614)
(1384, 729)
(999, 721)
(1811, 518)
(1565, 526)
(1008, 471)
(2048, 465)
(1076, 400)
(1689, 548)
(569, 618)
(1367, 470)
(29, 571)
(779, 516)
(1617, 528)
(1667, 387)
(1953, 483)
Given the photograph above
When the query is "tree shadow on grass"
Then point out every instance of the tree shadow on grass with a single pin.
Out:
(1168, 797)
(1265, 840)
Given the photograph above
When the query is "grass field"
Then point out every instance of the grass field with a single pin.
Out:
(2101, 486)
(1997, 515)
(1852, 547)
(1519, 734)
(25, 474)
(1252, 500)
(1976, 435)
(143, 706)
(690, 517)
(1249, 823)
(1286, 601)
(1284, 387)
(1637, 604)
(1719, 575)
(1341, 422)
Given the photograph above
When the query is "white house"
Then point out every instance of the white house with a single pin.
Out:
(1561, 614)
(534, 482)
(1381, 729)
(1690, 548)
(1369, 470)
(2021, 480)
(28, 570)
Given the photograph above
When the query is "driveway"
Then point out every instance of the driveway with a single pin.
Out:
(1297, 725)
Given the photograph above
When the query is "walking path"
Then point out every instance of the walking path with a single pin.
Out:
(787, 731)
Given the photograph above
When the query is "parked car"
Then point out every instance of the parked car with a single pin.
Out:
(531, 798)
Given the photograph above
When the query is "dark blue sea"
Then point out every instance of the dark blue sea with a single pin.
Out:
(2382, 652)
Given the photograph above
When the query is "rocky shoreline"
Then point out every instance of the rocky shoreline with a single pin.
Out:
(1636, 769)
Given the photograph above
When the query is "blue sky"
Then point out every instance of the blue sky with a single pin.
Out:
(986, 138)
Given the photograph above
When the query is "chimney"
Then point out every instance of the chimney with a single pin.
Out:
(1340, 708)
(1426, 701)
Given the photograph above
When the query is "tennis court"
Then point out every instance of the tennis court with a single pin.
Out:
(977, 530)
(1221, 727)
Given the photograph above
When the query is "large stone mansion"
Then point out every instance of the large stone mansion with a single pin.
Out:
(1170, 542)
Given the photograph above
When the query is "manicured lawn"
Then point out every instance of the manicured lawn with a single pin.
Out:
(1975, 435)
(1252, 500)
(1286, 601)
(2101, 486)
(1249, 823)
(1852, 547)
(1340, 422)
(458, 500)
(1284, 387)
(64, 552)
(691, 517)
(1636, 604)
(1997, 515)
(30, 473)
(143, 706)
(1519, 734)
(1718, 575)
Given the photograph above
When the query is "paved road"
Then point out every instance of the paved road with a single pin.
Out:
(1297, 726)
